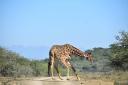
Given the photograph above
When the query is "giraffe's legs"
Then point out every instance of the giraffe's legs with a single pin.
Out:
(71, 66)
(51, 67)
(68, 69)
(67, 65)
(56, 67)
(75, 72)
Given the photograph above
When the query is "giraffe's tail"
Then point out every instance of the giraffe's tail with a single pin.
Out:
(49, 64)
(49, 68)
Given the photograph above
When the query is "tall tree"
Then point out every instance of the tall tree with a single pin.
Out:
(120, 52)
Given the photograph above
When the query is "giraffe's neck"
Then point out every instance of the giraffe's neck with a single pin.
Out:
(75, 51)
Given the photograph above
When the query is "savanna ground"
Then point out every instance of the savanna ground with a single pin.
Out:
(97, 78)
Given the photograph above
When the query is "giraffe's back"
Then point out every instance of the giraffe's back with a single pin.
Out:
(64, 51)
(59, 51)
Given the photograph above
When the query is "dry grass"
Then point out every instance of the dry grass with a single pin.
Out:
(119, 78)
(111, 76)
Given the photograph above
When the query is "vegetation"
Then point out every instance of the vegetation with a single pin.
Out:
(105, 60)
(12, 64)
(119, 50)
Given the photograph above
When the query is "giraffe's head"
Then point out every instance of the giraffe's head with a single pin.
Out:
(89, 57)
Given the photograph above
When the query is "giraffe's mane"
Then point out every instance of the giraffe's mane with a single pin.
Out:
(75, 50)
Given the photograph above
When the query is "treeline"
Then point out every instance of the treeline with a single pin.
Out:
(12, 64)
(119, 57)
(105, 60)
(113, 58)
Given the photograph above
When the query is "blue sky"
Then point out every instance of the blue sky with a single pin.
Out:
(83, 23)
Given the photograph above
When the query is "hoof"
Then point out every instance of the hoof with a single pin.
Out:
(53, 78)
(81, 83)
(60, 78)
(68, 79)
(78, 78)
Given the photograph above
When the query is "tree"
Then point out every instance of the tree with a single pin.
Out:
(119, 50)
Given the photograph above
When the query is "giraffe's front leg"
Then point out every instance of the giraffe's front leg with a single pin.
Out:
(75, 72)
(60, 76)
(68, 65)
(68, 73)
(58, 72)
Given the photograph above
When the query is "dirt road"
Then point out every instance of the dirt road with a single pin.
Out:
(49, 81)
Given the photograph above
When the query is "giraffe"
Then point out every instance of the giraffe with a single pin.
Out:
(63, 53)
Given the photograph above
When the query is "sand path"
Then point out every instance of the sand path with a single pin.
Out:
(49, 81)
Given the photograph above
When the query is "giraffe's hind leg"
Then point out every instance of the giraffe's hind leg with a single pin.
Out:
(49, 68)
(52, 67)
